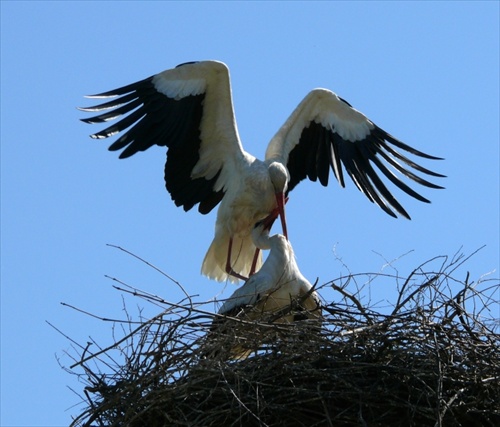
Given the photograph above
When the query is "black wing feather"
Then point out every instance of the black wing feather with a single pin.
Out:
(322, 157)
(150, 118)
(320, 149)
(106, 106)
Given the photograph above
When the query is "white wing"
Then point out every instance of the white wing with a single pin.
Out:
(188, 109)
(325, 132)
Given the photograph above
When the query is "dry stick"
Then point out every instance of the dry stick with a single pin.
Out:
(208, 313)
(415, 292)
(115, 344)
(152, 266)
(240, 402)
(325, 407)
(458, 305)
(385, 324)
(66, 336)
(459, 257)
(152, 298)
(442, 409)
(440, 413)
(95, 316)
(354, 300)
(153, 319)
(462, 311)
(400, 304)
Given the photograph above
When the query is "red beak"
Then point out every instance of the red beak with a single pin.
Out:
(280, 200)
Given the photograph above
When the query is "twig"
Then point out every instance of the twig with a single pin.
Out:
(152, 266)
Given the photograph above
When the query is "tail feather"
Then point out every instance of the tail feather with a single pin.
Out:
(242, 254)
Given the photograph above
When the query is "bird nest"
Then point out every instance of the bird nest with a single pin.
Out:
(431, 359)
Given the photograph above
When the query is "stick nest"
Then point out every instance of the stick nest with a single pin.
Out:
(430, 359)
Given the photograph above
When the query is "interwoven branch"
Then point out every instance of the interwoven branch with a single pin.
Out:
(432, 360)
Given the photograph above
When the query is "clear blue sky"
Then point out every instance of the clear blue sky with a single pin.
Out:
(427, 72)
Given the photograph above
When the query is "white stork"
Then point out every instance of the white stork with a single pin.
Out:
(277, 293)
(276, 285)
(189, 109)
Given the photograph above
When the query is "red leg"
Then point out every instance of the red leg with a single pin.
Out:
(229, 269)
(254, 262)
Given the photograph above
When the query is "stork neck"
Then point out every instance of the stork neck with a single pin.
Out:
(261, 238)
(280, 259)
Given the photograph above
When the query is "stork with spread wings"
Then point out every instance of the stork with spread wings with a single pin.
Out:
(189, 110)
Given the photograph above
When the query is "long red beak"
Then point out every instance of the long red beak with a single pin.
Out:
(280, 200)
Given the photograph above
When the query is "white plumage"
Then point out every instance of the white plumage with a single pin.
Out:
(189, 110)
(277, 293)
(276, 285)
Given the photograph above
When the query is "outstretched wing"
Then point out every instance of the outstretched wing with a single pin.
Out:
(325, 132)
(188, 109)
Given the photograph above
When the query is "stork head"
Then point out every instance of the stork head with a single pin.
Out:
(279, 178)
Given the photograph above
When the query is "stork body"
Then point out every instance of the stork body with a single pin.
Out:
(253, 195)
(278, 293)
(189, 110)
(275, 286)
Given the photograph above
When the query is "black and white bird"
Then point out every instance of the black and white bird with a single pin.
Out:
(278, 293)
(276, 286)
(189, 110)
